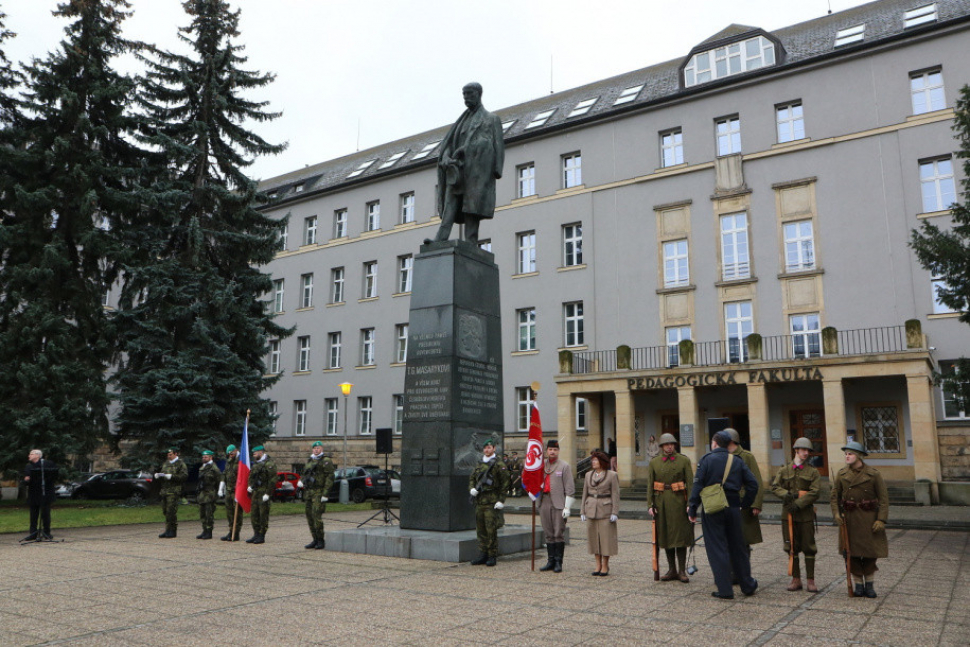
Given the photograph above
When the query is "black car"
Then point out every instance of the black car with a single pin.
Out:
(365, 482)
(119, 484)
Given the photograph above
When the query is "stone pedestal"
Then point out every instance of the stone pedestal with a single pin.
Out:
(453, 383)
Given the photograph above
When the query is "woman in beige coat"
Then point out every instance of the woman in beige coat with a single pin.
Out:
(600, 506)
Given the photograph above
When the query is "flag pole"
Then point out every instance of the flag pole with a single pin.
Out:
(235, 516)
(533, 535)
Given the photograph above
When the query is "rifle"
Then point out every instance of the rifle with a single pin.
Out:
(656, 552)
(844, 530)
(791, 544)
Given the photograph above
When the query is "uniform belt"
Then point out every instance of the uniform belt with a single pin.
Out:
(600, 496)
(676, 487)
(868, 505)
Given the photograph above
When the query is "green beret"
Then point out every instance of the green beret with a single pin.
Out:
(230, 448)
(489, 441)
(171, 450)
(208, 453)
(317, 444)
(258, 448)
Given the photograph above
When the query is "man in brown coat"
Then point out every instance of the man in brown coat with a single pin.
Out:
(556, 497)
(797, 485)
(668, 477)
(749, 516)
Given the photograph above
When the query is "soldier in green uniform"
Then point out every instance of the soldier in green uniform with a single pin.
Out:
(669, 475)
(262, 482)
(488, 484)
(749, 516)
(210, 478)
(316, 479)
(173, 476)
(227, 489)
(797, 485)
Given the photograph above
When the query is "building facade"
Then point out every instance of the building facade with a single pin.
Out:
(721, 236)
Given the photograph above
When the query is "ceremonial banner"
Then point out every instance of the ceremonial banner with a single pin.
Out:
(243, 497)
(532, 469)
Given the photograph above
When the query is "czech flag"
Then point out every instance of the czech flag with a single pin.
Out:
(532, 469)
(243, 497)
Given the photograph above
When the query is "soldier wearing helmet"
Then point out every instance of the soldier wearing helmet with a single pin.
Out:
(797, 485)
(668, 476)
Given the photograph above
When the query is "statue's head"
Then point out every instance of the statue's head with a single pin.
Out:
(472, 93)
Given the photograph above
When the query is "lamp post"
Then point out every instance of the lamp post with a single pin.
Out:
(345, 388)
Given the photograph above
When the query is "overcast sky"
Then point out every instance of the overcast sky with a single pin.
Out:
(396, 67)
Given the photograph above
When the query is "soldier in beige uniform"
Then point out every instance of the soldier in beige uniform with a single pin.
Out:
(668, 476)
(797, 485)
(555, 499)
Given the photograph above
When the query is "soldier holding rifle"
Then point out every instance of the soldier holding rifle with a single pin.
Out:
(797, 485)
(210, 478)
(487, 485)
(316, 479)
(227, 489)
(668, 476)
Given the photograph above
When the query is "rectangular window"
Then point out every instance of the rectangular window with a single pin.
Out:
(340, 223)
(572, 245)
(799, 246)
(919, 16)
(370, 280)
(274, 356)
(953, 408)
(540, 119)
(582, 107)
(791, 122)
(938, 306)
(401, 343)
(299, 419)
(806, 336)
(850, 35)
(284, 237)
(672, 148)
(398, 414)
(373, 215)
(407, 208)
(738, 323)
(526, 179)
(306, 300)
(526, 243)
(573, 323)
(628, 95)
(581, 414)
(527, 328)
(926, 89)
(365, 410)
(337, 285)
(523, 408)
(675, 335)
(278, 295)
(334, 342)
(304, 359)
(405, 265)
(367, 337)
(734, 247)
(880, 429)
(274, 414)
(572, 170)
(936, 184)
(728, 135)
(485, 245)
(676, 266)
(310, 230)
(333, 415)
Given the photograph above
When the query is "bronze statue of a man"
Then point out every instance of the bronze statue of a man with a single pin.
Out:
(472, 155)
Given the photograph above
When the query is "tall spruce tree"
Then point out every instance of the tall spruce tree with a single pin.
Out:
(9, 78)
(70, 171)
(193, 325)
(946, 253)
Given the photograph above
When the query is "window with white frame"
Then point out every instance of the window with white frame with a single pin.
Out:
(799, 246)
(676, 265)
(278, 295)
(919, 15)
(365, 415)
(425, 151)
(738, 324)
(735, 262)
(405, 267)
(806, 335)
(526, 245)
(299, 418)
(672, 148)
(374, 215)
(363, 166)
(540, 119)
(310, 230)
(392, 160)
(791, 122)
(304, 357)
(526, 318)
(939, 285)
(572, 170)
(675, 335)
(926, 89)
(335, 344)
(936, 184)
(572, 244)
(401, 343)
(728, 60)
(370, 280)
(306, 300)
(728, 132)
(953, 407)
(284, 237)
(572, 314)
(398, 414)
(333, 415)
(581, 409)
(582, 107)
(340, 223)
(367, 339)
(523, 408)
(526, 180)
(337, 285)
(628, 95)
(850, 35)
(274, 356)
(407, 207)
(485, 245)
(880, 429)
(274, 414)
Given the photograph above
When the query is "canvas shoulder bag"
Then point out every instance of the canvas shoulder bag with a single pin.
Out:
(712, 497)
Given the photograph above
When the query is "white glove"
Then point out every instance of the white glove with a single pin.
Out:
(582, 517)
(569, 504)
(159, 475)
(299, 483)
(167, 476)
(473, 492)
(499, 505)
(323, 499)
(250, 490)
(533, 497)
(265, 498)
(222, 488)
(613, 518)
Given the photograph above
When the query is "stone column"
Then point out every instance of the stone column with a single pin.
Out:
(689, 415)
(625, 458)
(834, 399)
(594, 423)
(926, 447)
(760, 431)
(566, 419)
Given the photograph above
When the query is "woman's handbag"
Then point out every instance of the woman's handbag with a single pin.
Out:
(712, 497)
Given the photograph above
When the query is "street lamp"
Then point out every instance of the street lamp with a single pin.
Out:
(345, 388)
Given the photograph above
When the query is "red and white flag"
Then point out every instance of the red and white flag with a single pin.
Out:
(243, 498)
(532, 469)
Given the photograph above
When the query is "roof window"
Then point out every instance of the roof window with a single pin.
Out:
(363, 166)
(735, 58)
(582, 107)
(850, 35)
(424, 152)
(506, 125)
(392, 160)
(628, 95)
(540, 118)
(919, 16)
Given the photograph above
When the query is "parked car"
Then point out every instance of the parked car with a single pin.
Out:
(395, 477)
(65, 490)
(365, 482)
(118, 484)
(286, 489)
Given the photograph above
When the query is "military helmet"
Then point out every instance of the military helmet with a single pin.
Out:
(856, 448)
(802, 443)
(666, 439)
(733, 434)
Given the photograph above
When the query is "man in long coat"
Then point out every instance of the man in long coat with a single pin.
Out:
(40, 475)
(749, 514)
(669, 475)
(797, 485)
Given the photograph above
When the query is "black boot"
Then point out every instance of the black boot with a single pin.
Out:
(491, 560)
(227, 536)
(259, 539)
(481, 559)
(207, 534)
(31, 537)
(321, 544)
(859, 591)
(174, 533)
(560, 547)
(551, 559)
(870, 591)
(236, 538)
(201, 535)
(312, 544)
(252, 540)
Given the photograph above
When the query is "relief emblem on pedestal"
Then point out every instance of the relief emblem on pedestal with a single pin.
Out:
(471, 336)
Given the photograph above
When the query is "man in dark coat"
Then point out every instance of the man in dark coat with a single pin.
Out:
(723, 537)
(472, 156)
(41, 478)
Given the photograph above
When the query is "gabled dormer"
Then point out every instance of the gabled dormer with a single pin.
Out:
(734, 50)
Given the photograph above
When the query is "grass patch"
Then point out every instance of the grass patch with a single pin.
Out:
(68, 513)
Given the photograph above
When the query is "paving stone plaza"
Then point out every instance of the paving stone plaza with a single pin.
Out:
(123, 586)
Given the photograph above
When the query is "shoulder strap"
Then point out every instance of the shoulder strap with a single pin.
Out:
(727, 469)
